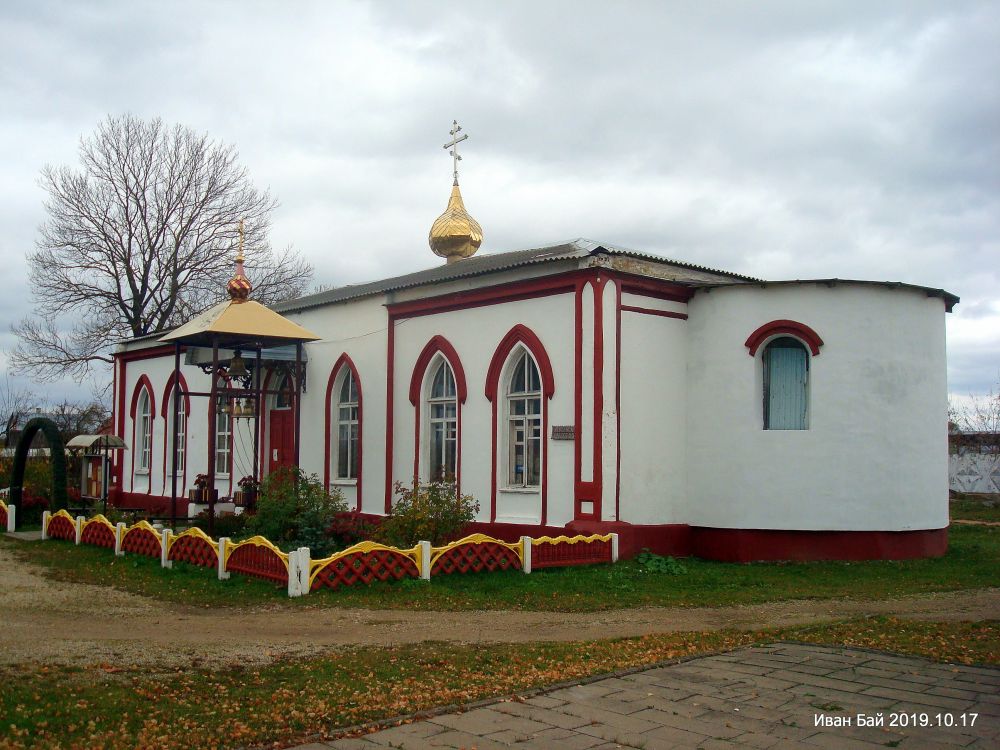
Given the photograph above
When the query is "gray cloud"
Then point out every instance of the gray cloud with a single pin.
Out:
(779, 139)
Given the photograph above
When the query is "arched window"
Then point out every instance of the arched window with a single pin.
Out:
(144, 430)
(223, 430)
(178, 462)
(347, 427)
(786, 380)
(524, 422)
(442, 405)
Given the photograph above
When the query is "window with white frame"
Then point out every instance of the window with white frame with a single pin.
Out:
(178, 463)
(144, 430)
(524, 422)
(786, 380)
(223, 431)
(347, 427)
(443, 423)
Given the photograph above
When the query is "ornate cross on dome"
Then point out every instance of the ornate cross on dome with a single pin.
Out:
(453, 145)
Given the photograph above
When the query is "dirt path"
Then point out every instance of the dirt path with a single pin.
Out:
(54, 622)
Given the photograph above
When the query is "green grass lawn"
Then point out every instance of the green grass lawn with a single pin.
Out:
(94, 705)
(968, 508)
(972, 561)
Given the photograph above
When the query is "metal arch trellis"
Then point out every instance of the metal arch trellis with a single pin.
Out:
(57, 456)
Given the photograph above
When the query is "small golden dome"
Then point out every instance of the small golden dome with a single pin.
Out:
(454, 234)
(239, 287)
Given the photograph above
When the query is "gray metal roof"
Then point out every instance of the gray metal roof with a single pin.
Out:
(950, 300)
(486, 263)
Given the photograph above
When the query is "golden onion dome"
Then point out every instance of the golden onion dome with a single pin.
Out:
(239, 287)
(455, 234)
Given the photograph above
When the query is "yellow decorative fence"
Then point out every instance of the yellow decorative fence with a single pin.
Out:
(361, 564)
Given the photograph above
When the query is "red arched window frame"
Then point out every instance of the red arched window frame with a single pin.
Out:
(141, 383)
(343, 361)
(520, 335)
(438, 345)
(801, 331)
(168, 418)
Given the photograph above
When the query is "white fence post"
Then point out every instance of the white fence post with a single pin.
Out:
(614, 548)
(79, 528)
(165, 561)
(223, 573)
(11, 518)
(526, 554)
(425, 560)
(119, 534)
(45, 524)
(305, 568)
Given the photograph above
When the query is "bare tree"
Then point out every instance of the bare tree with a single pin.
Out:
(974, 442)
(15, 403)
(139, 238)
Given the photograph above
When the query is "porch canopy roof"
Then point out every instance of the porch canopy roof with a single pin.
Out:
(239, 324)
(112, 442)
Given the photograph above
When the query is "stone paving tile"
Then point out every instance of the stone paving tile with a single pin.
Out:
(406, 734)
(765, 698)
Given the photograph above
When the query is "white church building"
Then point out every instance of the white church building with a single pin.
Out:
(587, 387)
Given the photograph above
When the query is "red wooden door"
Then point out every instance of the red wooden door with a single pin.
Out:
(281, 439)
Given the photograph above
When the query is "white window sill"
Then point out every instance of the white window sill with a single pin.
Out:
(142, 472)
(521, 490)
(343, 482)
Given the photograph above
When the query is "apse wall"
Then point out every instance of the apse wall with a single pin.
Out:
(874, 456)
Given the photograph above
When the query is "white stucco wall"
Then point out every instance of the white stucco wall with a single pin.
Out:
(874, 456)
(653, 414)
(475, 333)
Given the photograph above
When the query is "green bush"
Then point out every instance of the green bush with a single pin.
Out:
(653, 563)
(433, 512)
(295, 510)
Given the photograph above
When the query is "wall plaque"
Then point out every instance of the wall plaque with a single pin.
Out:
(563, 432)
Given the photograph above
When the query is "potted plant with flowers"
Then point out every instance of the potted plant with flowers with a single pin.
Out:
(201, 492)
(246, 495)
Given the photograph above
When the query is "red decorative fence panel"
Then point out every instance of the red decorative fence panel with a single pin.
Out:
(61, 526)
(553, 553)
(99, 533)
(195, 548)
(141, 540)
(258, 558)
(475, 554)
(366, 562)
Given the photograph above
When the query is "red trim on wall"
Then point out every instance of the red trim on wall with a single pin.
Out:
(598, 446)
(390, 366)
(742, 545)
(786, 328)
(141, 383)
(153, 352)
(618, 403)
(435, 345)
(119, 472)
(651, 311)
(343, 360)
(167, 393)
(656, 288)
(168, 423)
(520, 335)
(577, 397)
(561, 283)
(749, 545)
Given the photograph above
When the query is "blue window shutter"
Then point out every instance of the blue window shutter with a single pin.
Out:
(786, 368)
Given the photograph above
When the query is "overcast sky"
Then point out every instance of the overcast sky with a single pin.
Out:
(776, 139)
